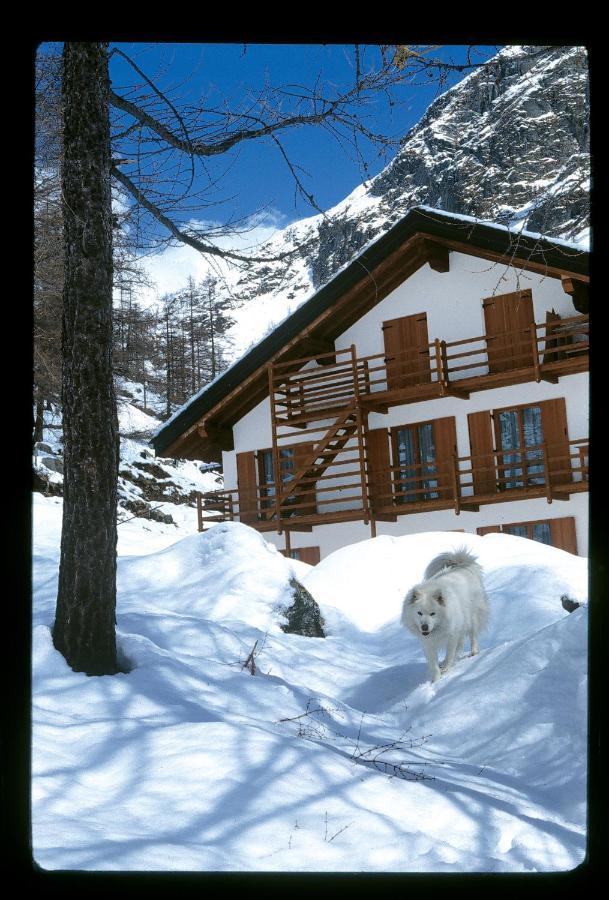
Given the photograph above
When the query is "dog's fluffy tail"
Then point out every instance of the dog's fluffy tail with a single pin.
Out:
(459, 557)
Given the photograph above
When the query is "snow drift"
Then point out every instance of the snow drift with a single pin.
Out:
(339, 755)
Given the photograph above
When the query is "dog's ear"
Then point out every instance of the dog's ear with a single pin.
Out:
(439, 598)
(412, 597)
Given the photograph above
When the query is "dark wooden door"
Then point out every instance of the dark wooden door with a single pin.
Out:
(379, 475)
(556, 437)
(482, 456)
(445, 438)
(563, 534)
(406, 351)
(509, 320)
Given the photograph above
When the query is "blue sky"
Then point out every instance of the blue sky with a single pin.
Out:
(257, 177)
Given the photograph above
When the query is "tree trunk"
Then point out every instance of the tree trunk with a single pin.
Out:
(38, 420)
(84, 628)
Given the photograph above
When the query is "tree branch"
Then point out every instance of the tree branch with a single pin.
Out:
(200, 148)
(183, 236)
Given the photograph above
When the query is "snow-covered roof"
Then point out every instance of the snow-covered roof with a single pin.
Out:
(523, 247)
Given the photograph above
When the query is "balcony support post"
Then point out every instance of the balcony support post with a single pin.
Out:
(199, 512)
(535, 350)
(360, 435)
(455, 479)
(546, 473)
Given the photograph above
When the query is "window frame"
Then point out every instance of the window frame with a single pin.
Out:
(521, 482)
(559, 527)
(400, 491)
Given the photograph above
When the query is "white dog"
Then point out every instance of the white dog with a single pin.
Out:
(447, 606)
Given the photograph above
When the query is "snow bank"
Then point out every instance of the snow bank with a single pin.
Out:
(339, 755)
(365, 583)
(229, 573)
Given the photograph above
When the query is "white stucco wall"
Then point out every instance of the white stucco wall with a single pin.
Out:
(453, 304)
(453, 301)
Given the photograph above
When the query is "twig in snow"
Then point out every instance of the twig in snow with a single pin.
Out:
(250, 662)
(336, 833)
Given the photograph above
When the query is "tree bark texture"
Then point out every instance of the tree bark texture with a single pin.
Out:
(84, 629)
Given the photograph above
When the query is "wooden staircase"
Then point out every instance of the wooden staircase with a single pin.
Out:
(327, 444)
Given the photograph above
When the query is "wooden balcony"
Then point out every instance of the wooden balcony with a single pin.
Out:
(306, 389)
(319, 414)
(462, 483)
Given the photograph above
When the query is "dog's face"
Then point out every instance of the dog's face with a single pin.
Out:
(426, 609)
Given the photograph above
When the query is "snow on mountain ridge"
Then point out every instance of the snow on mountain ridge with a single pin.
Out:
(508, 144)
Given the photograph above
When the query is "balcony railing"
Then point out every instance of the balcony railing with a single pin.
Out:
(462, 482)
(305, 388)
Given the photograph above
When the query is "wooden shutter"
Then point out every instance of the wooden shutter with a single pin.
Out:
(555, 435)
(552, 353)
(246, 483)
(563, 534)
(406, 351)
(379, 475)
(488, 529)
(508, 320)
(445, 440)
(309, 555)
(481, 449)
(302, 452)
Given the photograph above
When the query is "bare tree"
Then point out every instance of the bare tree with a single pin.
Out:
(48, 240)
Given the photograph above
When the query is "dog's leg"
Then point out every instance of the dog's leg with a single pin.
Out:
(451, 652)
(473, 639)
(432, 660)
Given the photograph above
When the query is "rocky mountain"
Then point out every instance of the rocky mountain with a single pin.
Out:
(507, 144)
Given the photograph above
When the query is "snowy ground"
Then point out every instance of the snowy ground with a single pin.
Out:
(339, 754)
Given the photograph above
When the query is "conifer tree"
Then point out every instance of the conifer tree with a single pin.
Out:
(84, 627)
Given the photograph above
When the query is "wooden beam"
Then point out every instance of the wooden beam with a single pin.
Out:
(578, 291)
(512, 259)
(319, 347)
(453, 391)
(221, 437)
(192, 445)
(436, 255)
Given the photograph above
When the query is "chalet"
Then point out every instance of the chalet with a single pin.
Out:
(438, 382)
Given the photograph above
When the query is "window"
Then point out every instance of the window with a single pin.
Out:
(309, 555)
(291, 461)
(535, 531)
(558, 533)
(266, 472)
(414, 457)
(519, 434)
(519, 446)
